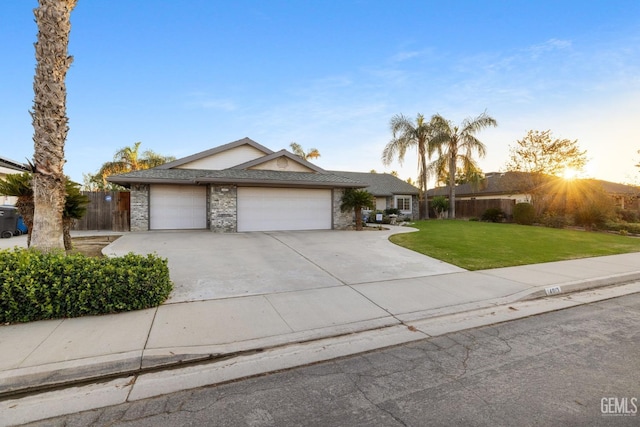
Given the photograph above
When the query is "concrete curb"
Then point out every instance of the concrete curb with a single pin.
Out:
(580, 285)
(430, 322)
(51, 403)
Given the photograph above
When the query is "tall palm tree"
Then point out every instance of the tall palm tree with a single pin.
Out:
(356, 200)
(407, 135)
(50, 122)
(128, 159)
(311, 153)
(455, 147)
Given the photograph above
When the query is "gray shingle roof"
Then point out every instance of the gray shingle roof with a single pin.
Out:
(236, 176)
(380, 184)
(12, 164)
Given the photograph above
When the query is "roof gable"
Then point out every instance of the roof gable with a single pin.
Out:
(282, 160)
(222, 157)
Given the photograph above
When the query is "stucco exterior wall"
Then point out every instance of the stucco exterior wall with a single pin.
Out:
(140, 207)
(223, 208)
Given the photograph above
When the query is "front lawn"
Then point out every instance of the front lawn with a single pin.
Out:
(480, 245)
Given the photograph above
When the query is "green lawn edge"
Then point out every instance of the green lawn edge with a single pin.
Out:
(475, 245)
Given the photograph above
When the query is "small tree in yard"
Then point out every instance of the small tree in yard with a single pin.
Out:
(440, 205)
(543, 159)
(19, 185)
(75, 207)
(75, 203)
(356, 200)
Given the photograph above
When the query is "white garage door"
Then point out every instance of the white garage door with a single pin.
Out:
(269, 209)
(177, 207)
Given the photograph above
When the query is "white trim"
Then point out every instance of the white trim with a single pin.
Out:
(403, 196)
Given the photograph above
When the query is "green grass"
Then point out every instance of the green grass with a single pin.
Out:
(480, 245)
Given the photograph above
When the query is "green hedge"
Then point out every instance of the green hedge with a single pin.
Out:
(524, 213)
(36, 285)
(624, 227)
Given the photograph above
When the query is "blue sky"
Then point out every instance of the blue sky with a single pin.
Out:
(187, 76)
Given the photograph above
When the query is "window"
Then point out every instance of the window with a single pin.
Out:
(403, 203)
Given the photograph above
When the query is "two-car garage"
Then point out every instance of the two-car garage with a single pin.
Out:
(182, 207)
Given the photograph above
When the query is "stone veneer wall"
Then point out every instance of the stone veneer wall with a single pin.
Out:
(139, 207)
(415, 208)
(223, 208)
(341, 220)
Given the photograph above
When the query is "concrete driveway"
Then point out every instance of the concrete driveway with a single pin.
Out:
(208, 266)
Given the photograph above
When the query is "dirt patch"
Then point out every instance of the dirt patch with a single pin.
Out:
(92, 245)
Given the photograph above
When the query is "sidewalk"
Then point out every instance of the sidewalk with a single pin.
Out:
(360, 317)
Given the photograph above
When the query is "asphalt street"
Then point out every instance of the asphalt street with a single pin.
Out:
(577, 366)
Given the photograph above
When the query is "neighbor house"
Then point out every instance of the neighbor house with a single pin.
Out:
(240, 186)
(495, 185)
(8, 167)
(506, 186)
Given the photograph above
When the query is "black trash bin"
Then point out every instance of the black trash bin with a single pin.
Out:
(8, 221)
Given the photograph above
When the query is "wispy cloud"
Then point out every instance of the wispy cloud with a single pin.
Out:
(550, 45)
(406, 55)
(205, 101)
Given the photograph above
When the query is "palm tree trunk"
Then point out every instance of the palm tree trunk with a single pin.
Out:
(67, 223)
(452, 184)
(50, 121)
(423, 179)
(358, 212)
(25, 207)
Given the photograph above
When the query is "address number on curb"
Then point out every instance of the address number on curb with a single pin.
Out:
(554, 290)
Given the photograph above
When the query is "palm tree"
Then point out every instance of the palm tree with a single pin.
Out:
(19, 185)
(407, 135)
(50, 122)
(297, 149)
(128, 159)
(75, 203)
(355, 200)
(75, 207)
(455, 146)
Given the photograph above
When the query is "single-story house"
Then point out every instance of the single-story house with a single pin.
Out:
(239, 186)
(8, 167)
(495, 185)
(507, 186)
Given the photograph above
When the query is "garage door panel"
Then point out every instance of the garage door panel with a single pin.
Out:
(271, 209)
(178, 207)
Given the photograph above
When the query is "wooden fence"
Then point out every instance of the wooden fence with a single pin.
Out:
(476, 207)
(107, 210)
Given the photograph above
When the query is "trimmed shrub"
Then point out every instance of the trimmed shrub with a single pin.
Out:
(493, 215)
(36, 285)
(591, 216)
(524, 213)
(392, 211)
(628, 215)
(623, 227)
(553, 220)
